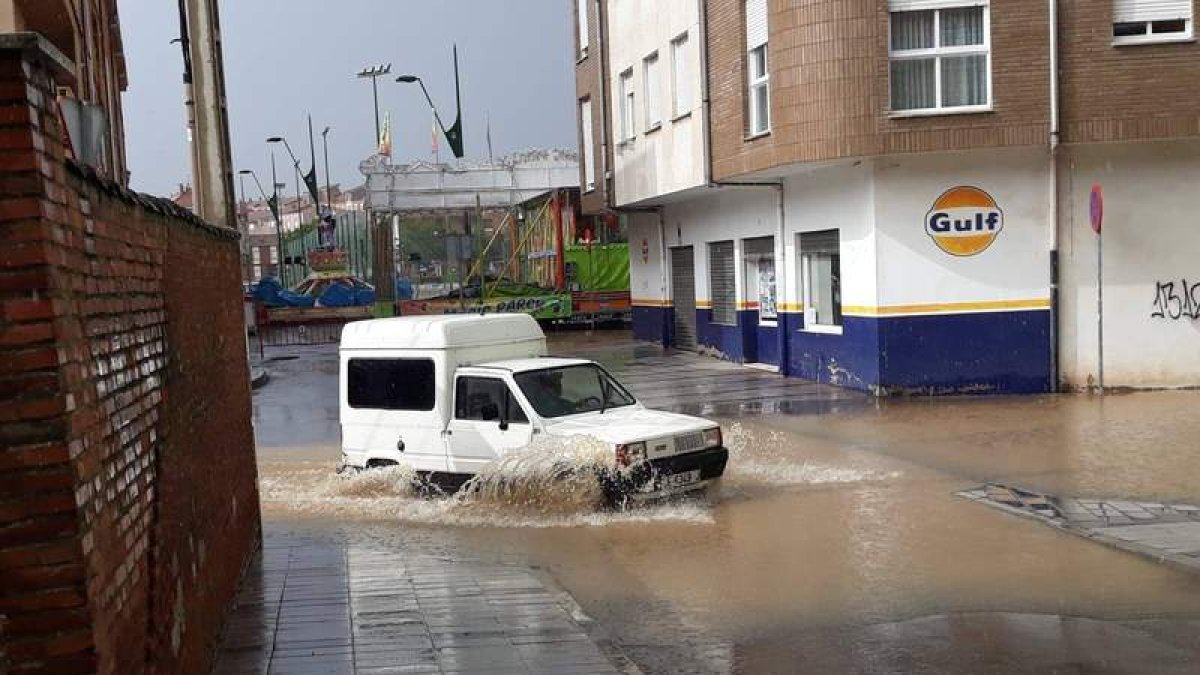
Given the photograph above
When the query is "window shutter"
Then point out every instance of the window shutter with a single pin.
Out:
(919, 5)
(583, 24)
(756, 23)
(721, 281)
(1132, 11)
(589, 159)
(825, 241)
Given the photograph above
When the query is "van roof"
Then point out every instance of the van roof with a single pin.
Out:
(440, 332)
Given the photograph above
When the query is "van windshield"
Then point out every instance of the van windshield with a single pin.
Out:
(569, 390)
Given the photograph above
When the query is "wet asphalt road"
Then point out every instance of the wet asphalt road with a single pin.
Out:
(835, 545)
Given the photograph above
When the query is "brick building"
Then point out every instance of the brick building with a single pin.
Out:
(128, 490)
(896, 193)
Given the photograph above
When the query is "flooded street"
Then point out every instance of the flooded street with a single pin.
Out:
(834, 544)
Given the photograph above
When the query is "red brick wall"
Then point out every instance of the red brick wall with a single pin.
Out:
(129, 505)
(588, 85)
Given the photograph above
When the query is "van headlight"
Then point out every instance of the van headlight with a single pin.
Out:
(629, 454)
(712, 437)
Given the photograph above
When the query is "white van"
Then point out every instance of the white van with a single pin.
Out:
(446, 395)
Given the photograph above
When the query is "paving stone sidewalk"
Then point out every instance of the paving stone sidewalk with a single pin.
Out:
(1165, 532)
(324, 605)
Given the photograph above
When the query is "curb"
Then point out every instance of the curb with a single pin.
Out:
(258, 377)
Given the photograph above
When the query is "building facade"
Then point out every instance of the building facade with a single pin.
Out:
(88, 34)
(895, 195)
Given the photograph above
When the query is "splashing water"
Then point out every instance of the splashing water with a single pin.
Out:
(771, 458)
(551, 483)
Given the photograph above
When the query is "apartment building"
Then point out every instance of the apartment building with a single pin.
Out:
(895, 195)
(87, 34)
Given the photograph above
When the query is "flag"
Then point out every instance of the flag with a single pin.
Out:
(273, 204)
(489, 139)
(310, 180)
(385, 136)
(433, 136)
(454, 134)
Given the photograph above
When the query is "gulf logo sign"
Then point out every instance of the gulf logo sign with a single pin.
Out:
(964, 221)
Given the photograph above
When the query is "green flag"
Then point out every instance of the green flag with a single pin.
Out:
(310, 179)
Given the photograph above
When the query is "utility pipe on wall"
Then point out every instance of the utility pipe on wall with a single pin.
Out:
(1052, 8)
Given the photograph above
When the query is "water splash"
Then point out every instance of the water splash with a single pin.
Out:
(772, 458)
(551, 483)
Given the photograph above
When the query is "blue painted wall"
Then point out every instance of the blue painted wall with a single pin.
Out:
(651, 323)
(986, 352)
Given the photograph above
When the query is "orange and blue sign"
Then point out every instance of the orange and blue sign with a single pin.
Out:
(964, 221)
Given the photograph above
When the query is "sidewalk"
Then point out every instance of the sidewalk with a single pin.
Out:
(325, 605)
(1168, 533)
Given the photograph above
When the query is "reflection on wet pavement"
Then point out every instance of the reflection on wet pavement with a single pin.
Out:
(835, 543)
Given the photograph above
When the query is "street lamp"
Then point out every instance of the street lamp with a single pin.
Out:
(375, 72)
(454, 133)
(328, 188)
(296, 163)
(274, 213)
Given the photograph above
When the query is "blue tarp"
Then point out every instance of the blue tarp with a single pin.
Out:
(270, 293)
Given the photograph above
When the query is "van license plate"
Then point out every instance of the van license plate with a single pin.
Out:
(674, 480)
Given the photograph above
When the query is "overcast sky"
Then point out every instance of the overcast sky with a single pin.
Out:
(286, 58)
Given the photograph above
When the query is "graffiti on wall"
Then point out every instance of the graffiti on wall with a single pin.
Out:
(1176, 301)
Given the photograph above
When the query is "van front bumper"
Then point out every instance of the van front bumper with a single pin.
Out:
(646, 479)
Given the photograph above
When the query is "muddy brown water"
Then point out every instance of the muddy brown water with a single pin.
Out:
(834, 544)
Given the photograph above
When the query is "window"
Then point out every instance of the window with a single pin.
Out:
(589, 153)
(486, 399)
(650, 85)
(1147, 21)
(570, 390)
(758, 99)
(681, 83)
(940, 58)
(759, 266)
(582, 23)
(256, 255)
(821, 275)
(390, 384)
(721, 283)
(627, 106)
(274, 255)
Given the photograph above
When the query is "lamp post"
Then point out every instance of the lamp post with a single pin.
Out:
(375, 72)
(274, 212)
(328, 189)
(454, 133)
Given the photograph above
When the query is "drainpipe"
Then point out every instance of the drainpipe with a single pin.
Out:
(1054, 132)
(602, 49)
(667, 324)
(702, 10)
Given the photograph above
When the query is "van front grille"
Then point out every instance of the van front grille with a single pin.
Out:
(689, 442)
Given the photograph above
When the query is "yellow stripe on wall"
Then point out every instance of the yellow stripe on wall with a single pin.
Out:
(791, 307)
(704, 304)
(945, 307)
(649, 302)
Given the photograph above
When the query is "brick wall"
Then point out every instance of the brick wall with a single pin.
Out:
(1132, 92)
(830, 98)
(588, 76)
(129, 502)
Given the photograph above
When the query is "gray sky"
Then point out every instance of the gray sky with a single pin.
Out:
(284, 58)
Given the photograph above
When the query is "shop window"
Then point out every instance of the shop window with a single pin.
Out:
(759, 266)
(940, 57)
(721, 283)
(821, 277)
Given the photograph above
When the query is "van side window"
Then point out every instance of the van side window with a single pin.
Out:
(486, 399)
(390, 384)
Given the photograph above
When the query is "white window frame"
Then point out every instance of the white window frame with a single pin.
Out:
(1149, 18)
(936, 52)
(753, 83)
(627, 106)
(810, 324)
(589, 149)
(681, 74)
(581, 21)
(651, 105)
